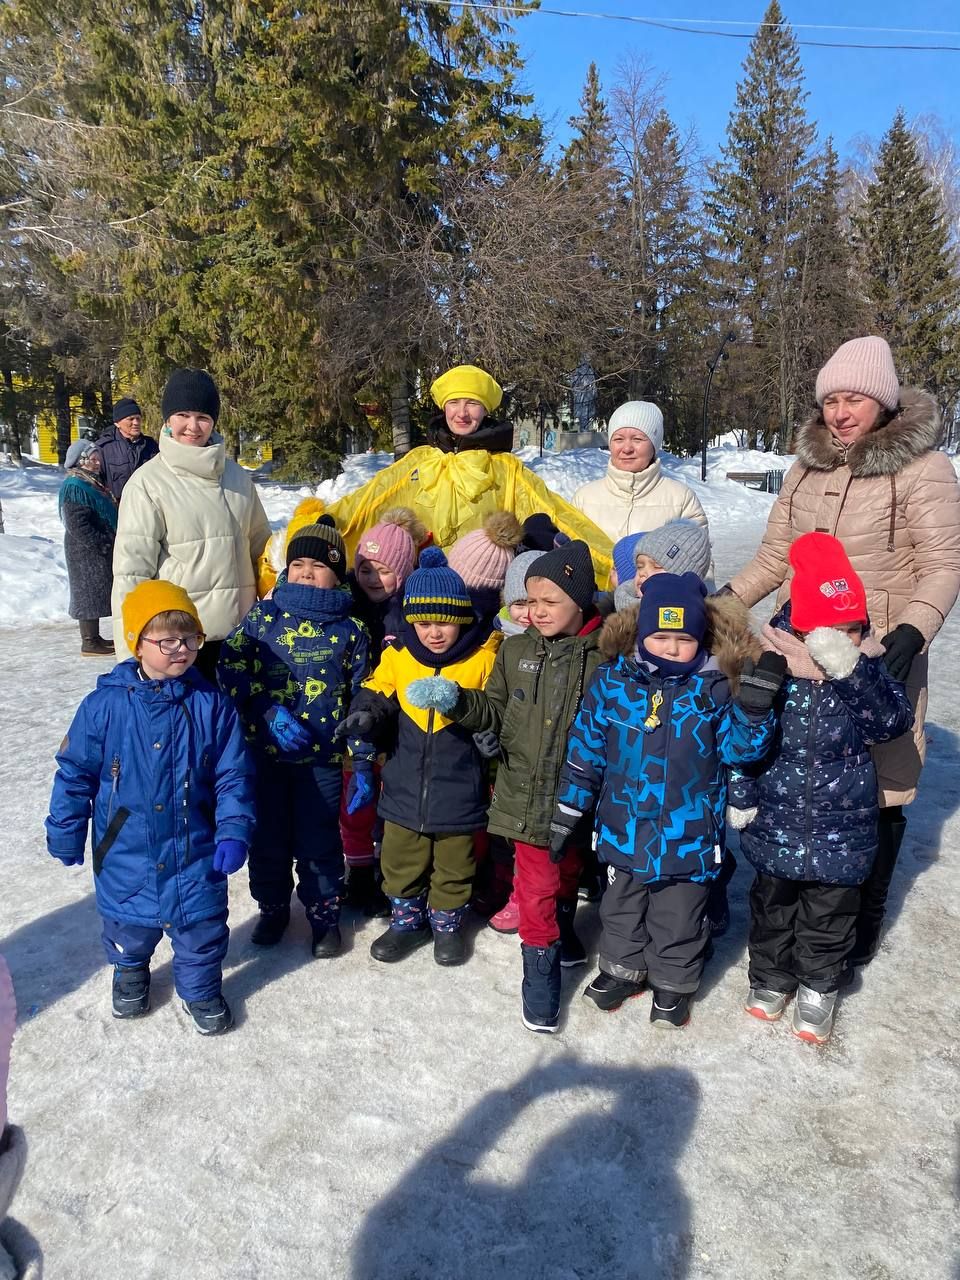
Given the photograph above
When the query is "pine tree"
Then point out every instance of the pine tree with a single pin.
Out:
(910, 273)
(590, 149)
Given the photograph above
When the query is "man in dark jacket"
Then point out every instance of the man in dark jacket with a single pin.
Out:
(123, 447)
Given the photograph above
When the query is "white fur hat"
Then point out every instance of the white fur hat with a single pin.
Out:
(638, 415)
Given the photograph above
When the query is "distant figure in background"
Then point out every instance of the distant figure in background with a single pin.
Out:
(584, 387)
(89, 514)
(123, 447)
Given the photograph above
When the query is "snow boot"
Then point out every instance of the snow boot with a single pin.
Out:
(409, 929)
(540, 991)
(670, 1009)
(609, 993)
(131, 990)
(572, 950)
(92, 644)
(324, 918)
(874, 890)
(507, 919)
(765, 1004)
(365, 895)
(271, 926)
(211, 1017)
(813, 1015)
(449, 947)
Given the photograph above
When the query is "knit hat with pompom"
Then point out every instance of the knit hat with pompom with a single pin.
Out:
(435, 593)
(389, 542)
(482, 557)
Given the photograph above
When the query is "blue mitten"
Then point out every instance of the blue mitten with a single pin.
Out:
(434, 693)
(360, 789)
(229, 856)
(289, 733)
(69, 859)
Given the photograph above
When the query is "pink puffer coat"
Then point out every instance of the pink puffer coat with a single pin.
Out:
(894, 502)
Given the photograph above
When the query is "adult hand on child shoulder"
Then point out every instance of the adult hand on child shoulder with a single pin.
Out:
(229, 856)
(901, 646)
(360, 789)
(760, 682)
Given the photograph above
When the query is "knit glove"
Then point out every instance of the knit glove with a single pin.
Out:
(488, 744)
(760, 683)
(357, 724)
(434, 693)
(229, 856)
(289, 733)
(901, 646)
(69, 859)
(360, 788)
(562, 825)
(833, 651)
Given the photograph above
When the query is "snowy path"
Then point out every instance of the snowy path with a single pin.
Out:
(367, 1122)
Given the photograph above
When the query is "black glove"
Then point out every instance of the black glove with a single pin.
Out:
(561, 829)
(357, 724)
(488, 744)
(760, 683)
(902, 645)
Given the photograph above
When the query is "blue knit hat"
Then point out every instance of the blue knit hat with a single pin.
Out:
(623, 557)
(673, 603)
(435, 593)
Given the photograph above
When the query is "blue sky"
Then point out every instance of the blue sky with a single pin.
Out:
(851, 92)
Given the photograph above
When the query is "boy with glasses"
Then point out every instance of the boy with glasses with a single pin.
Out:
(156, 758)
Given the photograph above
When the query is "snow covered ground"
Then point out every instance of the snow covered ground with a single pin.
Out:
(377, 1123)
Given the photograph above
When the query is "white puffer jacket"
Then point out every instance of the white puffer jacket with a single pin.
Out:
(623, 503)
(191, 516)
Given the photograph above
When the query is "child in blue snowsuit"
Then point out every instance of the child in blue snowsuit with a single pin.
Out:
(156, 757)
(292, 667)
(648, 750)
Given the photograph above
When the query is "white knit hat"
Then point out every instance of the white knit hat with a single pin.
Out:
(638, 415)
(863, 365)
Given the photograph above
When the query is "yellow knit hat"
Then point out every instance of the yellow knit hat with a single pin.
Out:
(146, 600)
(467, 382)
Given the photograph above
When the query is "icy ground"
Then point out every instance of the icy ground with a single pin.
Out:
(373, 1123)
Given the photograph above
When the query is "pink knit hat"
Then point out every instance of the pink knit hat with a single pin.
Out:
(481, 558)
(863, 365)
(389, 544)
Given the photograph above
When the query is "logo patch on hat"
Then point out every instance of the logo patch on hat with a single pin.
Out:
(568, 570)
(333, 555)
(674, 551)
(371, 546)
(671, 618)
(834, 587)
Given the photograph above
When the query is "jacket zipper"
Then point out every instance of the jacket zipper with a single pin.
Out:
(427, 760)
(811, 734)
(115, 775)
(665, 719)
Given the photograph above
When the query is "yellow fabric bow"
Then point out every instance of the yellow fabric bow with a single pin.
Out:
(450, 485)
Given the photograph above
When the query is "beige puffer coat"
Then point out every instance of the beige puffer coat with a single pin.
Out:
(623, 502)
(191, 516)
(893, 501)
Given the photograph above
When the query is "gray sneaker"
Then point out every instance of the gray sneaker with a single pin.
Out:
(813, 1014)
(766, 1005)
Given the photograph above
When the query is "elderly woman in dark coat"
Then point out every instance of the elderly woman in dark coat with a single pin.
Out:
(89, 514)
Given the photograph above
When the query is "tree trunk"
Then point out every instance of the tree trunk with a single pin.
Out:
(14, 422)
(400, 414)
(61, 405)
(106, 396)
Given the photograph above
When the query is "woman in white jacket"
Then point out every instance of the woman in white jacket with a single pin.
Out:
(191, 516)
(635, 496)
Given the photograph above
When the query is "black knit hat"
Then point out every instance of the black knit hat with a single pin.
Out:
(539, 532)
(321, 542)
(190, 391)
(571, 568)
(126, 408)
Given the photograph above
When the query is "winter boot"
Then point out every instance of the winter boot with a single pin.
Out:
(409, 929)
(92, 644)
(365, 895)
(324, 918)
(873, 892)
(765, 1004)
(572, 950)
(507, 920)
(131, 990)
(813, 1015)
(211, 1017)
(609, 993)
(271, 926)
(670, 1009)
(448, 944)
(540, 992)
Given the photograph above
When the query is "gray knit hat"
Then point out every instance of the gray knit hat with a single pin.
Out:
(514, 585)
(680, 546)
(77, 452)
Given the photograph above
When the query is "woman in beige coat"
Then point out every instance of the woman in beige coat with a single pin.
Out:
(191, 516)
(869, 471)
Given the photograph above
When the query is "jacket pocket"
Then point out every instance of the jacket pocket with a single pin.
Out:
(108, 839)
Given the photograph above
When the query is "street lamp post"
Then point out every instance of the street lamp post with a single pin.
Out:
(722, 354)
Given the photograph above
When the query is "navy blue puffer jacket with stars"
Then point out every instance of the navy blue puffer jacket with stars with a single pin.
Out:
(816, 791)
(302, 650)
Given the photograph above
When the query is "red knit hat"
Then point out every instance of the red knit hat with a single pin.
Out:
(824, 591)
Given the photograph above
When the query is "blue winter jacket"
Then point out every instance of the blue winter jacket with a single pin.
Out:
(660, 791)
(162, 768)
(302, 650)
(816, 789)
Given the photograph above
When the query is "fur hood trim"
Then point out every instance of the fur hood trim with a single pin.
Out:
(885, 452)
(729, 639)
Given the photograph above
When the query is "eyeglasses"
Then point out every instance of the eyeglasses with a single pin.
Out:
(170, 645)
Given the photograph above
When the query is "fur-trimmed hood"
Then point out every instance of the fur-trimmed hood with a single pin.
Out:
(729, 639)
(884, 452)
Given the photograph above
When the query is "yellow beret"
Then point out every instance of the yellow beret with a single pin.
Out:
(146, 600)
(467, 382)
